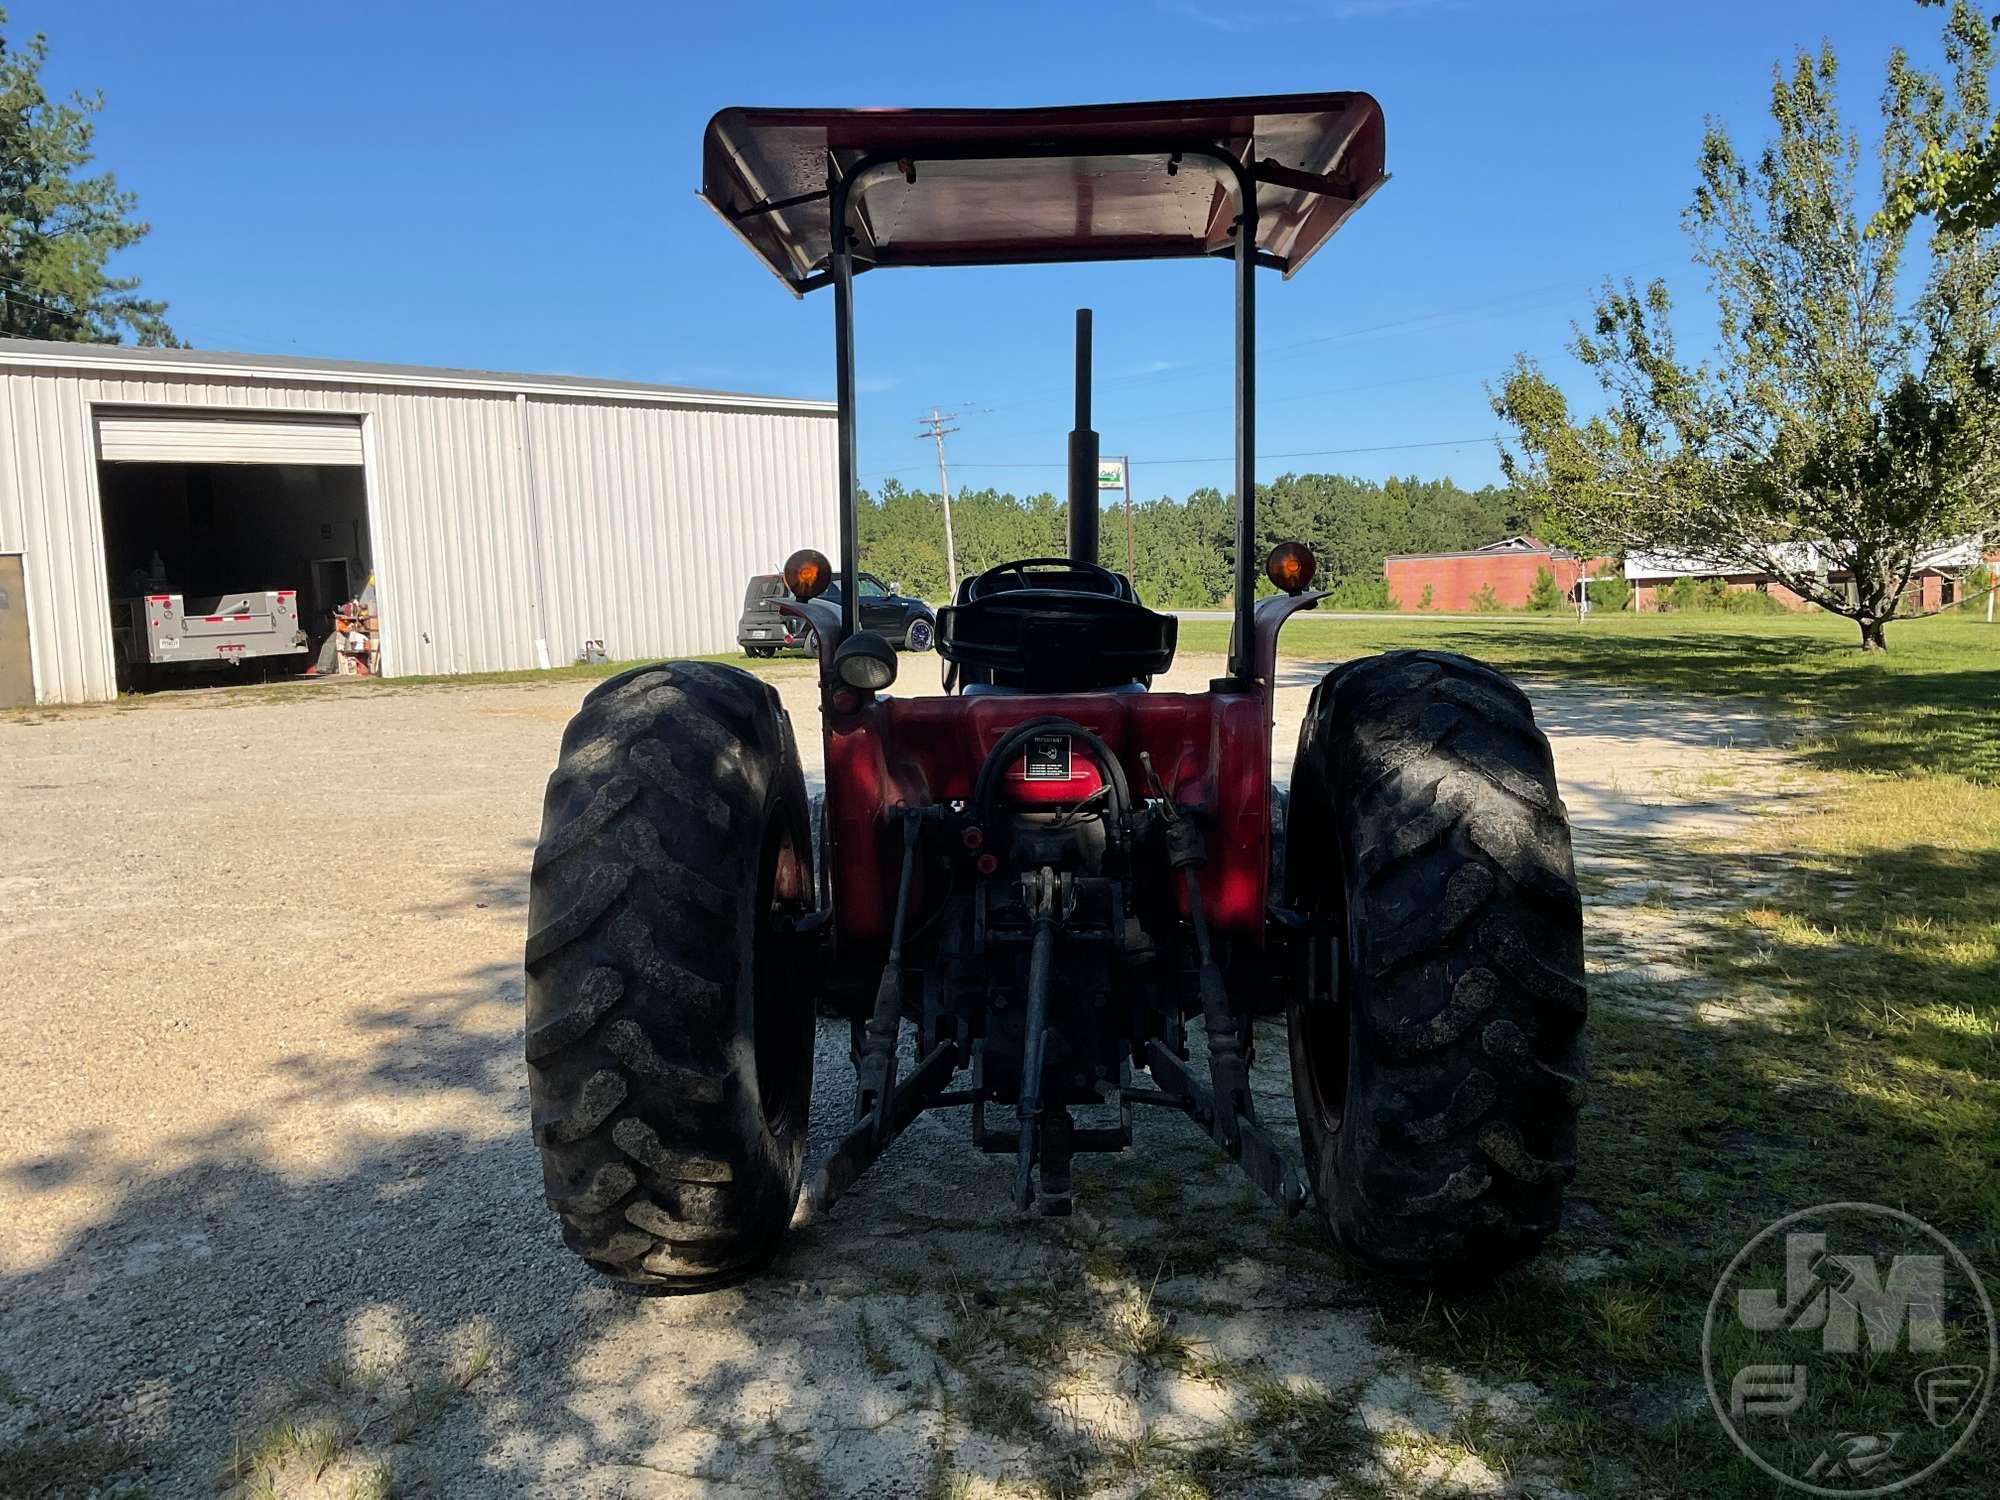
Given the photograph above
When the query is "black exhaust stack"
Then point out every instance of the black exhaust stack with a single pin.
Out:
(1083, 455)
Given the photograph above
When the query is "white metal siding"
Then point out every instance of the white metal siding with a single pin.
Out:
(49, 514)
(654, 521)
(170, 438)
(639, 521)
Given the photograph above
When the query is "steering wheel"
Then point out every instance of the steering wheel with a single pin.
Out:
(1084, 577)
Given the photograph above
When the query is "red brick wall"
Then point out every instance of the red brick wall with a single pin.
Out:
(1454, 580)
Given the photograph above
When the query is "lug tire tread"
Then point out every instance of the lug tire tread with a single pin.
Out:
(1453, 891)
(643, 903)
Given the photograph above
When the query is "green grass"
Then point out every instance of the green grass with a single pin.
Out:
(287, 692)
(67, 1466)
(874, 1352)
(51, 1459)
(579, 672)
(1858, 938)
(328, 1434)
(223, 693)
(1924, 705)
(798, 1476)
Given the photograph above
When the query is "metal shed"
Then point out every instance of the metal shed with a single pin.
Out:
(508, 518)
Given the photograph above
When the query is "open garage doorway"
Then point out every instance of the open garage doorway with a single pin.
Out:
(234, 547)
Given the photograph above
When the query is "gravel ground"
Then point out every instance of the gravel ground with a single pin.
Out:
(264, 1155)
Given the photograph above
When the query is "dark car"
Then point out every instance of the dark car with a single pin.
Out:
(909, 624)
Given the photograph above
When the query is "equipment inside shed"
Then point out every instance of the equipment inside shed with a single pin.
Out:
(234, 566)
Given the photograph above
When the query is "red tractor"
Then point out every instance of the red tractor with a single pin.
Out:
(1051, 891)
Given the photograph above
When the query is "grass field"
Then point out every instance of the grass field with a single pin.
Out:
(1862, 936)
(1925, 705)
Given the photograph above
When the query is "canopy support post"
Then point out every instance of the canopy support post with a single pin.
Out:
(1242, 667)
(1083, 508)
(841, 265)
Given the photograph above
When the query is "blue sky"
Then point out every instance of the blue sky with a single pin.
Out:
(512, 187)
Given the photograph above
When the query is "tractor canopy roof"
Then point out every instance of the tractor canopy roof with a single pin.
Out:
(943, 187)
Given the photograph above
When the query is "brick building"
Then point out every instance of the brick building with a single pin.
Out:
(1507, 566)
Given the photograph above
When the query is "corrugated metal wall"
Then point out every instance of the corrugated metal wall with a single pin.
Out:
(631, 522)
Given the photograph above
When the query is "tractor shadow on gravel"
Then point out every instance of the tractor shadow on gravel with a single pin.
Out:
(401, 1318)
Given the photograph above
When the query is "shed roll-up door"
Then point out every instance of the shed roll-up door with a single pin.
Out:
(203, 438)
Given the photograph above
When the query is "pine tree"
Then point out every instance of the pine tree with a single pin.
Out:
(1543, 595)
(57, 229)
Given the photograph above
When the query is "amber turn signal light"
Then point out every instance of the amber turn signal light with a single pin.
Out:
(808, 574)
(1291, 566)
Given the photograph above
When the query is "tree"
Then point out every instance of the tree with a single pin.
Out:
(912, 565)
(1609, 589)
(57, 229)
(1956, 177)
(1486, 602)
(1543, 595)
(1841, 432)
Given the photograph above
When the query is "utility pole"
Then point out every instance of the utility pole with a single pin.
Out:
(936, 431)
(1125, 473)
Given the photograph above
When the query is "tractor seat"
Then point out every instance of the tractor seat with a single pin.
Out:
(1051, 625)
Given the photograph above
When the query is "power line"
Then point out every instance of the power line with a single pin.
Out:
(22, 294)
(1299, 453)
(1262, 402)
(228, 338)
(1488, 437)
(1438, 318)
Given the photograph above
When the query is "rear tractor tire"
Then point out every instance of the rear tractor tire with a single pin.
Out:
(1438, 1083)
(670, 1020)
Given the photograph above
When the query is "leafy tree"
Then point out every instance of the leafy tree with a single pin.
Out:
(1974, 586)
(1841, 430)
(57, 229)
(1956, 177)
(1543, 595)
(1361, 592)
(1424, 599)
(1609, 590)
(912, 564)
(1713, 596)
(1699, 595)
(1486, 602)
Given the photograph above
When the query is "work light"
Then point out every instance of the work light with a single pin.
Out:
(808, 574)
(1291, 566)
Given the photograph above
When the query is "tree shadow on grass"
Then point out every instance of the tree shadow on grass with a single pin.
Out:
(1767, 1034)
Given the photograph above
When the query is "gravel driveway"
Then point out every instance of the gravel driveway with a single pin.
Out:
(267, 1193)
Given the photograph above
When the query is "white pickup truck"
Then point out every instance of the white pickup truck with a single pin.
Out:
(163, 630)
